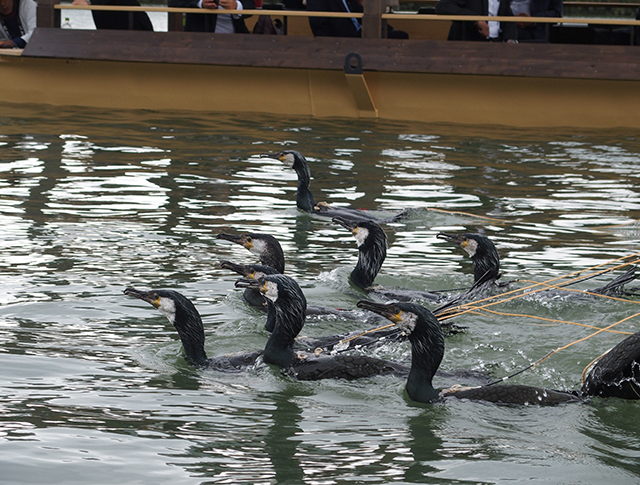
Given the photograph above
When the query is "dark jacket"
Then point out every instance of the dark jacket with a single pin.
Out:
(333, 27)
(546, 8)
(469, 30)
(540, 8)
(199, 22)
(120, 20)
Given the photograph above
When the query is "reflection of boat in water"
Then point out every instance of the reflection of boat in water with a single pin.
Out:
(546, 85)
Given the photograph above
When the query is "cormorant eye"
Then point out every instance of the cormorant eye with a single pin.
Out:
(248, 239)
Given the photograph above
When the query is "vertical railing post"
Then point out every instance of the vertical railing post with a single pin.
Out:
(46, 15)
(373, 27)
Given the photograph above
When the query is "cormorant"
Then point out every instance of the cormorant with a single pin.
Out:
(616, 373)
(427, 350)
(289, 306)
(184, 316)
(251, 296)
(271, 255)
(486, 270)
(265, 246)
(372, 251)
(304, 197)
(483, 254)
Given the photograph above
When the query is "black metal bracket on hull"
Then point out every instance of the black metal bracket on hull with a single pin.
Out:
(355, 79)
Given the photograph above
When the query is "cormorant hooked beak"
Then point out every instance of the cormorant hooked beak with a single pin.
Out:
(388, 310)
(286, 157)
(453, 238)
(236, 268)
(150, 297)
(348, 224)
(242, 239)
(275, 156)
(255, 284)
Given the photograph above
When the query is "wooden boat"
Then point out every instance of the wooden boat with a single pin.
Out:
(524, 85)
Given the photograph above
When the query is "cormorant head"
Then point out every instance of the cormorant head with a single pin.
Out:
(414, 320)
(289, 305)
(249, 271)
(182, 314)
(280, 289)
(265, 246)
(372, 246)
(295, 160)
(481, 250)
(291, 158)
(427, 343)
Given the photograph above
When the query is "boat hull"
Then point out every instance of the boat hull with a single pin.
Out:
(427, 81)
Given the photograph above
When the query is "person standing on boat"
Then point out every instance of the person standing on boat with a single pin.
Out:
(481, 30)
(118, 20)
(527, 31)
(220, 24)
(17, 22)
(342, 27)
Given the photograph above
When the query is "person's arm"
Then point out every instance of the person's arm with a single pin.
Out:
(27, 14)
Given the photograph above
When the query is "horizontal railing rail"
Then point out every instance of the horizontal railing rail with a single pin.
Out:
(373, 19)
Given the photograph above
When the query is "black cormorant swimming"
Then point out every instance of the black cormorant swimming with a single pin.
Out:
(289, 305)
(483, 254)
(427, 350)
(616, 373)
(251, 296)
(304, 197)
(372, 251)
(270, 253)
(184, 316)
(264, 246)
(486, 271)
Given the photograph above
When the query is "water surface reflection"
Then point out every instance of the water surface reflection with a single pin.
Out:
(95, 383)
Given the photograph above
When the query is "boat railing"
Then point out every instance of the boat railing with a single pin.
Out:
(374, 17)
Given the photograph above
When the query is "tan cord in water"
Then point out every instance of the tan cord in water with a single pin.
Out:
(564, 347)
(467, 214)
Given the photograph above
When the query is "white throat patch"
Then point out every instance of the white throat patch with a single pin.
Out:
(168, 308)
(258, 246)
(272, 290)
(407, 322)
(289, 159)
(471, 247)
(362, 233)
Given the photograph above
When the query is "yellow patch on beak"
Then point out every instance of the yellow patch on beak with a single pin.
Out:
(396, 318)
(156, 302)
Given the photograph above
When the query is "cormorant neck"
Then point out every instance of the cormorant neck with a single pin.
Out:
(191, 331)
(486, 264)
(288, 322)
(304, 197)
(270, 324)
(427, 350)
(371, 255)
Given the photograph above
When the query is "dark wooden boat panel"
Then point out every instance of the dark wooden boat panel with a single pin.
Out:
(383, 55)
